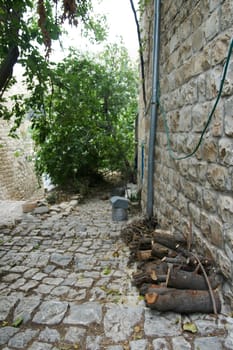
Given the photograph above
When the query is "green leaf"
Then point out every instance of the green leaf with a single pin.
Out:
(107, 271)
(190, 327)
(17, 322)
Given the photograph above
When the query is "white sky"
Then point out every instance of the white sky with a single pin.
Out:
(120, 21)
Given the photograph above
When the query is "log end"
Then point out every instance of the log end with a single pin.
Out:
(151, 298)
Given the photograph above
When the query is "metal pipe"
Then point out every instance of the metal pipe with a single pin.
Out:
(154, 103)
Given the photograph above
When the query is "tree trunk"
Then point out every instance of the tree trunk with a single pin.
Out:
(6, 68)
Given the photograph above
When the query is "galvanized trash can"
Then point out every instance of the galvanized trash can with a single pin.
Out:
(119, 208)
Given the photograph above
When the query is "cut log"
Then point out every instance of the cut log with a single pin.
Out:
(160, 267)
(187, 259)
(182, 301)
(145, 244)
(167, 239)
(144, 255)
(148, 277)
(160, 251)
(181, 279)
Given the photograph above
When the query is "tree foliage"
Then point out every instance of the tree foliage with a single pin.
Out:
(26, 25)
(87, 122)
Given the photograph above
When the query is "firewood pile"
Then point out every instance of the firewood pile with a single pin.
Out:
(170, 276)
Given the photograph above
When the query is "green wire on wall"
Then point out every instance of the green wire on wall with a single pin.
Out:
(163, 113)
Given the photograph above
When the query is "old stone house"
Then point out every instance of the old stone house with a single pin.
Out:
(186, 44)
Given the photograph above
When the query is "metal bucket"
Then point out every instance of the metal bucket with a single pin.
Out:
(119, 214)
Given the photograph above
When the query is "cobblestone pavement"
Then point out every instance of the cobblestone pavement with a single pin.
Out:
(65, 284)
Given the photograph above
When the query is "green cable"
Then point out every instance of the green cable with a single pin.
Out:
(171, 152)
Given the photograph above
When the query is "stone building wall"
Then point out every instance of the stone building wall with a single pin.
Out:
(195, 35)
(17, 177)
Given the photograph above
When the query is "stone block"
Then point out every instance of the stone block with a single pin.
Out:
(228, 234)
(218, 177)
(214, 4)
(216, 232)
(225, 208)
(210, 150)
(195, 214)
(201, 88)
(226, 151)
(200, 114)
(212, 25)
(41, 210)
(219, 48)
(198, 40)
(28, 207)
(216, 126)
(196, 18)
(209, 200)
(229, 124)
(185, 119)
(226, 17)
(189, 190)
(201, 61)
(225, 265)
(205, 226)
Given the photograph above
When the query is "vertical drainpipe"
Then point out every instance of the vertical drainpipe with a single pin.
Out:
(153, 119)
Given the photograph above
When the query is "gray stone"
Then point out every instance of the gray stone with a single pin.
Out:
(21, 339)
(29, 285)
(61, 290)
(61, 259)
(10, 277)
(44, 288)
(51, 312)
(41, 210)
(17, 284)
(39, 276)
(161, 343)
(37, 259)
(84, 314)
(6, 333)
(6, 304)
(25, 308)
(229, 341)
(206, 327)
(207, 343)
(115, 347)
(53, 280)
(75, 335)
(49, 335)
(138, 344)
(40, 346)
(180, 343)
(93, 343)
(60, 273)
(162, 325)
(31, 272)
(84, 283)
(120, 320)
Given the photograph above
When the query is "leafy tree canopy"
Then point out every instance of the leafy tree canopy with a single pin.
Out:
(26, 25)
(87, 122)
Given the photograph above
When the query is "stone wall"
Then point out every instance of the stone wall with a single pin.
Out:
(17, 176)
(195, 35)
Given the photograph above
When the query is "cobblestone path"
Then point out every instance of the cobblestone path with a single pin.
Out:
(65, 285)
